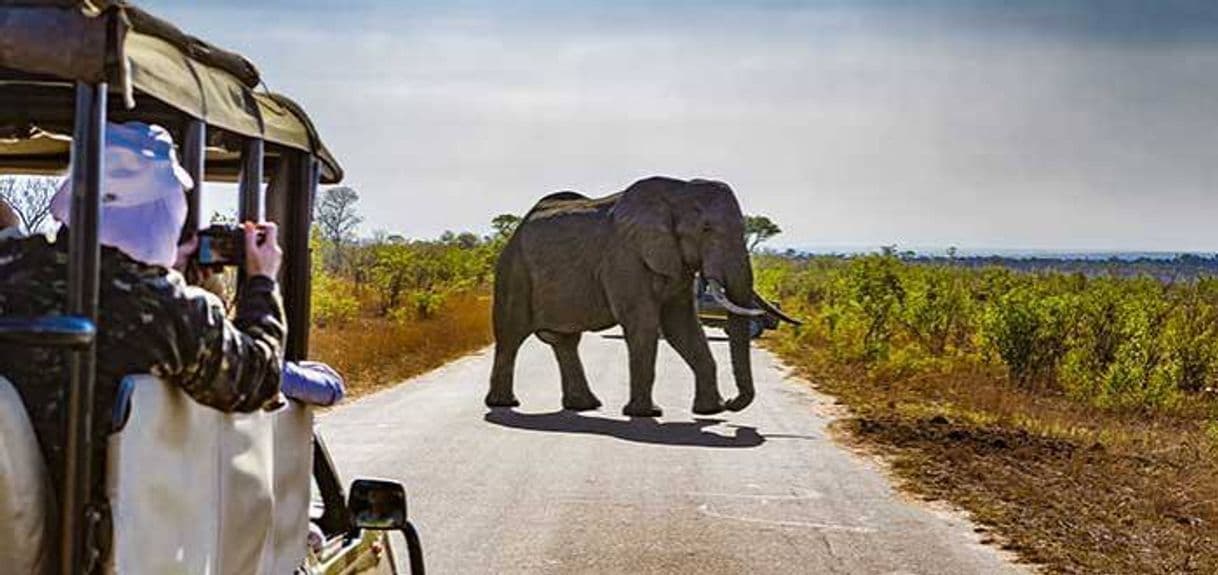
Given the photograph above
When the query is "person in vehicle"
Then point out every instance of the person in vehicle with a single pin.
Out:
(149, 320)
(311, 382)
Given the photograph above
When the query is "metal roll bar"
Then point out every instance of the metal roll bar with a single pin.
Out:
(194, 157)
(88, 137)
(251, 204)
(62, 332)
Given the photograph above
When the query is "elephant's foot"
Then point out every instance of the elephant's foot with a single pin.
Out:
(581, 402)
(642, 409)
(499, 399)
(740, 402)
(708, 406)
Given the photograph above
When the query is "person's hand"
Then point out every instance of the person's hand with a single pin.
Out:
(262, 259)
(186, 250)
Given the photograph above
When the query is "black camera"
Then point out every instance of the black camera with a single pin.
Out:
(223, 245)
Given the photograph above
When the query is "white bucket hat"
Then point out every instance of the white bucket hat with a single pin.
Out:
(143, 203)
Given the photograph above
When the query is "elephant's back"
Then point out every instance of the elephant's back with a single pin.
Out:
(570, 205)
(564, 224)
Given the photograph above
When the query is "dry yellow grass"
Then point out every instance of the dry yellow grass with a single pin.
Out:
(374, 353)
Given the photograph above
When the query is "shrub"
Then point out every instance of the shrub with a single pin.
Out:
(936, 308)
(1029, 332)
(875, 291)
(333, 301)
(1113, 342)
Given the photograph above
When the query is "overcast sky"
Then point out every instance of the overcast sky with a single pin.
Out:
(1086, 125)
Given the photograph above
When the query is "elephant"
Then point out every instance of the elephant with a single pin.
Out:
(577, 264)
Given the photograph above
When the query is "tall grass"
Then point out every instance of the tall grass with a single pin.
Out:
(373, 352)
(385, 310)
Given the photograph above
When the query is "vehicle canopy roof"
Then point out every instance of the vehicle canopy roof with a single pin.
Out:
(146, 61)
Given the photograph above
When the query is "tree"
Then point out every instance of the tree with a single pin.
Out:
(336, 215)
(505, 224)
(337, 219)
(30, 198)
(467, 240)
(758, 229)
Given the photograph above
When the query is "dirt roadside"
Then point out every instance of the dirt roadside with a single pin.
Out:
(1058, 485)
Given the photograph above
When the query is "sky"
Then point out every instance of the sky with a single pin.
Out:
(1042, 124)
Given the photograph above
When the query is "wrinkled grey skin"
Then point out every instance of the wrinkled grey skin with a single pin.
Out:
(578, 264)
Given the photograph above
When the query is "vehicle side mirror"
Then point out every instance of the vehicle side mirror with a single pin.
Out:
(381, 505)
(377, 504)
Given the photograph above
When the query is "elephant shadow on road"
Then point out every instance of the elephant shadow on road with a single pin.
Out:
(637, 429)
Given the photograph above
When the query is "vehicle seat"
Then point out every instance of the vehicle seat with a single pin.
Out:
(293, 481)
(26, 502)
(196, 490)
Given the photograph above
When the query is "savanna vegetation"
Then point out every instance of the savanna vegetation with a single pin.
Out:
(1073, 414)
(386, 307)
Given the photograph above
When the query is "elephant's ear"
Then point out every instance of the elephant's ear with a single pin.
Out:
(645, 220)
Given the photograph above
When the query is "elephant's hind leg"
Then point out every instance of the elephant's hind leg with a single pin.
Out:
(512, 322)
(576, 395)
(511, 329)
(501, 393)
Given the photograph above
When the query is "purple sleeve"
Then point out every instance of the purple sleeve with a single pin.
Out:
(312, 382)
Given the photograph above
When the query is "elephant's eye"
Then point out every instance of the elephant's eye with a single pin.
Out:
(706, 228)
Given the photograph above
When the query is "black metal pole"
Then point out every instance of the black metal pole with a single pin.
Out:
(298, 261)
(414, 549)
(88, 139)
(193, 159)
(251, 204)
(249, 201)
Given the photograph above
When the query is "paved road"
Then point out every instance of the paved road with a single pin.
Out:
(538, 490)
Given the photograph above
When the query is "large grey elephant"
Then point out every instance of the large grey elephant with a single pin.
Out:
(577, 264)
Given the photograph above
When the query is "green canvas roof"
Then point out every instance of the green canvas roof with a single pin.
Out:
(140, 55)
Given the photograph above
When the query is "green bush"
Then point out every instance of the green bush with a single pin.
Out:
(1113, 342)
(333, 302)
(937, 309)
(1029, 331)
(875, 290)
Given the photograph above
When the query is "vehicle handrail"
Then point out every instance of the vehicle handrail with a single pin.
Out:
(59, 331)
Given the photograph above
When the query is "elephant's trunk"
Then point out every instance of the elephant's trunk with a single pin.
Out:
(740, 291)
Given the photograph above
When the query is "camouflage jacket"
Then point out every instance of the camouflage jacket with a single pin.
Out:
(149, 321)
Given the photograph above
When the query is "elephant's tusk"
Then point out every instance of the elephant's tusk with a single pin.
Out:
(774, 311)
(716, 291)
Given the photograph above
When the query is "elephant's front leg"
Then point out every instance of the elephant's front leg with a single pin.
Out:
(641, 342)
(684, 333)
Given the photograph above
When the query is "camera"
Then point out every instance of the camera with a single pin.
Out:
(223, 245)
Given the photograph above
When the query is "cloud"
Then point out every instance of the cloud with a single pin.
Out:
(1049, 124)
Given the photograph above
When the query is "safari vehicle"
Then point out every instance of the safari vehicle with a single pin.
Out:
(712, 311)
(187, 489)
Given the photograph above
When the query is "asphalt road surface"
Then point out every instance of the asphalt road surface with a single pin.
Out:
(539, 490)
